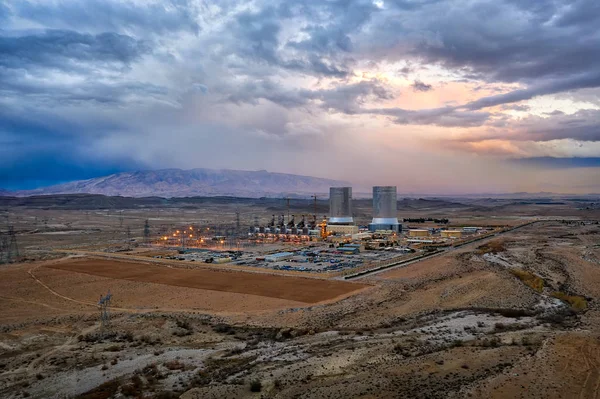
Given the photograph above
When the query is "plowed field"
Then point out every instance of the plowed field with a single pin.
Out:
(306, 290)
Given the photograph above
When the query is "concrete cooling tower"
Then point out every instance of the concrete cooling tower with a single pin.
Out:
(340, 205)
(384, 209)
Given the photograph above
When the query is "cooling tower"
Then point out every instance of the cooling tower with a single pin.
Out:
(384, 209)
(340, 205)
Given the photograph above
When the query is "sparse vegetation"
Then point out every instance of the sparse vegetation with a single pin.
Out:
(493, 247)
(577, 303)
(529, 279)
(175, 365)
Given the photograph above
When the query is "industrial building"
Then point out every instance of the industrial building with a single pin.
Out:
(470, 229)
(342, 229)
(451, 233)
(418, 233)
(278, 256)
(385, 209)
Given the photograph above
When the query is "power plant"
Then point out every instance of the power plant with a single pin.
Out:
(341, 219)
(385, 209)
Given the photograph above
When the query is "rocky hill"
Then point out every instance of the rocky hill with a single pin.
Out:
(194, 182)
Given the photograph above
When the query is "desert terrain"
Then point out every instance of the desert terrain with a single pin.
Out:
(512, 315)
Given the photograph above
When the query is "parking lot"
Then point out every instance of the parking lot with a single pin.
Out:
(322, 259)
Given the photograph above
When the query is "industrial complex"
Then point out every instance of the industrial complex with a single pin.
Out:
(336, 243)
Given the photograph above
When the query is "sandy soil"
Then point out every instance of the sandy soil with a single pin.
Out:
(567, 366)
(289, 288)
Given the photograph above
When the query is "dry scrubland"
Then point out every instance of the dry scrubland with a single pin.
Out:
(512, 316)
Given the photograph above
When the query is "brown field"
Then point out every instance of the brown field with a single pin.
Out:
(289, 288)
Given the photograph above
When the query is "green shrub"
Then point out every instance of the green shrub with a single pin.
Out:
(577, 303)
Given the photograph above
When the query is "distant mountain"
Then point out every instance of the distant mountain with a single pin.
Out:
(4, 192)
(195, 182)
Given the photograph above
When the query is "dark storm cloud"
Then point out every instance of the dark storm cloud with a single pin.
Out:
(516, 107)
(113, 94)
(38, 148)
(583, 126)
(591, 79)
(102, 15)
(350, 98)
(24, 127)
(446, 117)
(512, 41)
(53, 165)
(411, 4)
(345, 98)
(63, 49)
(579, 12)
(79, 55)
(255, 36)
(331, 26)
(420, 86)
(559, 163)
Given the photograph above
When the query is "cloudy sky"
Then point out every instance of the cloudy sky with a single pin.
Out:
(435, 96)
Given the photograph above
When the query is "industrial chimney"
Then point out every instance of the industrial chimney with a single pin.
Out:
(384, 209)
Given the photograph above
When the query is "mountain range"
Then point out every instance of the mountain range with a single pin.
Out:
(195, 182)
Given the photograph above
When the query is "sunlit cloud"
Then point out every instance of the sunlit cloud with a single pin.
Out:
(357, 90)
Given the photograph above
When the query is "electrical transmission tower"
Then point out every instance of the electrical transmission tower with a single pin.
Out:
(104, 306)
(128, 232)
(146, 232)
(9, 250)
(4, 250)
(13, 248)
